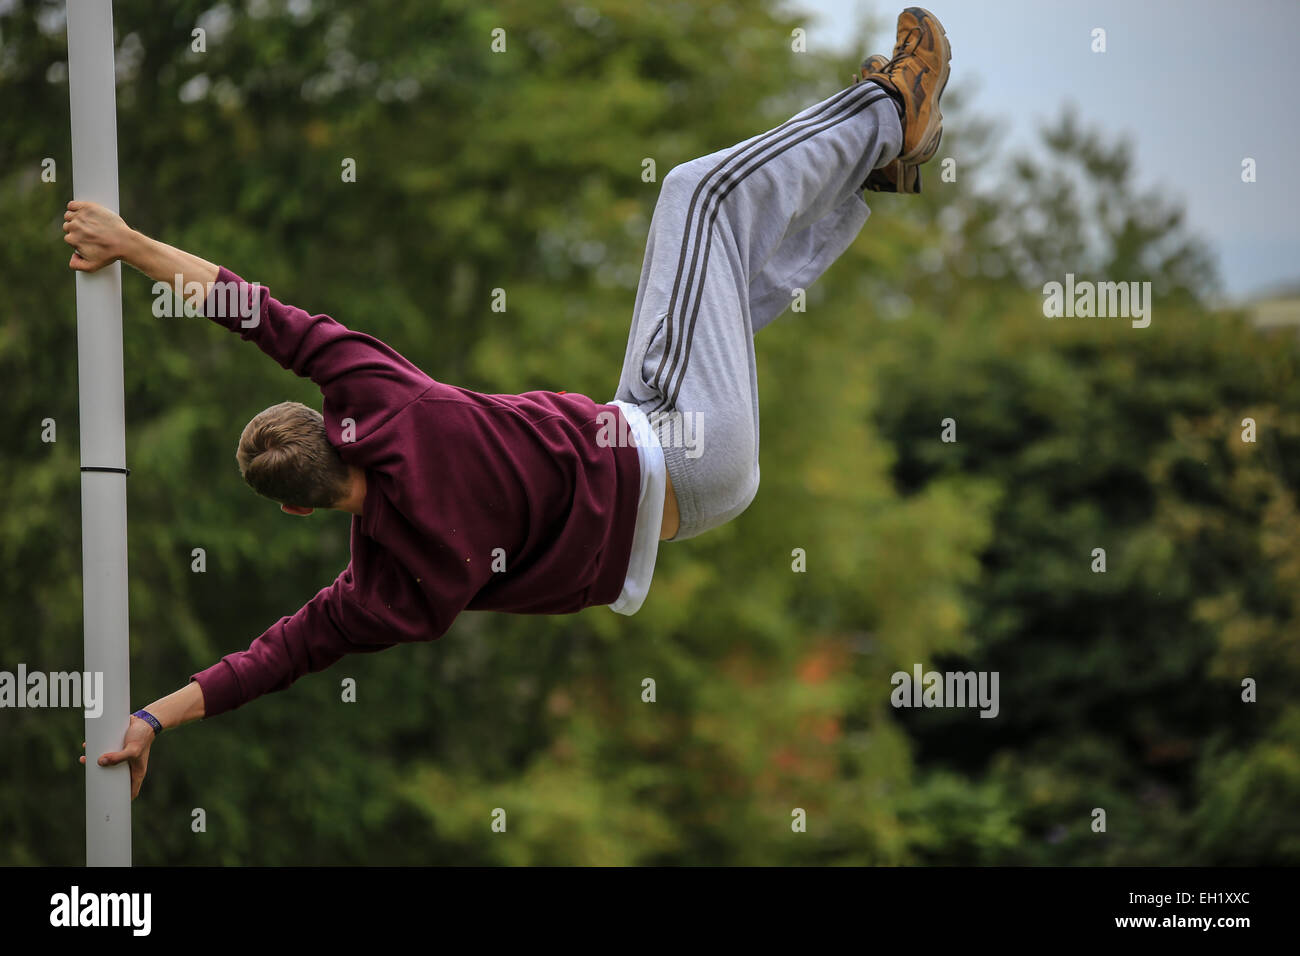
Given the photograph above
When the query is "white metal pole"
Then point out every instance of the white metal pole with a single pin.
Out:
(103, 436)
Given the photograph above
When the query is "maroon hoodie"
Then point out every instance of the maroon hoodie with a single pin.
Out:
(458, 486)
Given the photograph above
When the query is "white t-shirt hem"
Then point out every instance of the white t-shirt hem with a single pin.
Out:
(649, 510)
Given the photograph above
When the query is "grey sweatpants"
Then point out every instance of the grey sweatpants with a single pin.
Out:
(733, 235)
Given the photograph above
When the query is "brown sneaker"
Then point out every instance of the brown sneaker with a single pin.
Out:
(917, 74)
(872, 64)
(892, 177)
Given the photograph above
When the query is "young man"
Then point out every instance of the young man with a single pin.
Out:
(555, 502)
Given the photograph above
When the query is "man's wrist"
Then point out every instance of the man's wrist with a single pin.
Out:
(135, 248)
(151, 720)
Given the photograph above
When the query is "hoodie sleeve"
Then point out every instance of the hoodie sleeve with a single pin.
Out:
(328, 627)
(364, 381)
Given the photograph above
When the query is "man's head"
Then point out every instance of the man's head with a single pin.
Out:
(284, 455)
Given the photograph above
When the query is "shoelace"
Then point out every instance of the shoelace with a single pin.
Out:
(906, 47)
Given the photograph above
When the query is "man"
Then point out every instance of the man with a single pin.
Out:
(544, 502)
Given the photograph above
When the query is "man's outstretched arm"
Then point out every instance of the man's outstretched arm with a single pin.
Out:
(100, 237)
(179, 707)
(313, 639)
(362, 378)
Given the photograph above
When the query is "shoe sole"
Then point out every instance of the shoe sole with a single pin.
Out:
(934, 128)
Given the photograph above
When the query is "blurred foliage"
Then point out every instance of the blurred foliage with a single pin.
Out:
(522, 171)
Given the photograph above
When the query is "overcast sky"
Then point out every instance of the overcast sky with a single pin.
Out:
(1197, 85)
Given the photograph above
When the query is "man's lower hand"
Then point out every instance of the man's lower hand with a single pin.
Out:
(135, 750)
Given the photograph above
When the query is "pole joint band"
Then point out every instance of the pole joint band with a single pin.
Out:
(119, 471)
